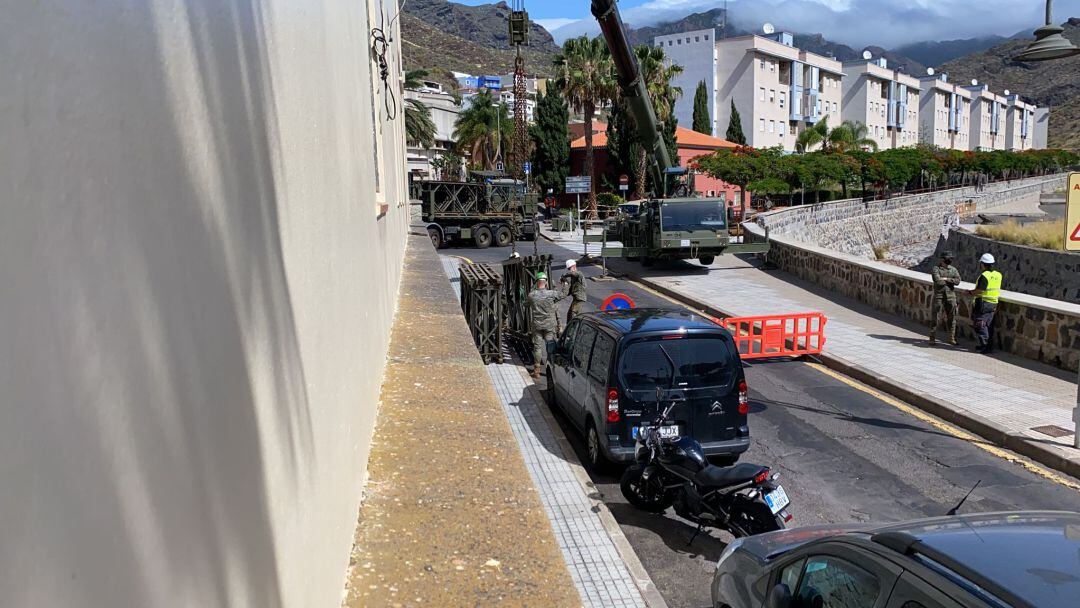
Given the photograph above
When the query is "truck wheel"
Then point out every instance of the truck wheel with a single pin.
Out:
(503, 236)
(436, 237)
(707, 260)
(482, 237)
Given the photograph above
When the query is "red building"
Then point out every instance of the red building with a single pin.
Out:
(691, 145)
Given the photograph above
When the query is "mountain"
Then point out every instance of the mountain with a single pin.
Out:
(934, 53)
(484, 24)
(1050, 83)
(695, 21)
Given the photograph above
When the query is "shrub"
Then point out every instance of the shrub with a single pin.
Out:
(1045, 235)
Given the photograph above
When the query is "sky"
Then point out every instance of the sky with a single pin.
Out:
(857, 23)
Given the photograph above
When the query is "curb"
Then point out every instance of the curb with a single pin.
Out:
(644, 582)
(974, 423)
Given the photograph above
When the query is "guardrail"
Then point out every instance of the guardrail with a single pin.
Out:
(766, 336)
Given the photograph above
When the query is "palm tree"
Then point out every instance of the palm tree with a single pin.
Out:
(816, 134)
(584, 74)
(483, 129)
(851, 135)
(658, 73)
(419, 128)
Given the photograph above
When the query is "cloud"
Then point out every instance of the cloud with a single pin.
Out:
(857, 23)
(553, 24)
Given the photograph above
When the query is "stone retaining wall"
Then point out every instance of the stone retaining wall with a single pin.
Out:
(1037, 272)
(1028, 326)
(853, 226)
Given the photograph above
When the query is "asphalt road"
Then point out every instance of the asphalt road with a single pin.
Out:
(843, 455)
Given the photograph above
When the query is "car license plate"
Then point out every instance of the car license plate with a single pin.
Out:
(777, 500)
(666, 432)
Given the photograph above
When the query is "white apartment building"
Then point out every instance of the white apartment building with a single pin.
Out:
(1041, 128)
(944, 113)
(1019, 124)
(987, 124)
(886, 101)
(444, 113)
(778, 89)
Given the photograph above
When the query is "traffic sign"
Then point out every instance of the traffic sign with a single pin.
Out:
(527, 167)
(1072, 213)
(617, 301)
(578, 184)
(499, 166)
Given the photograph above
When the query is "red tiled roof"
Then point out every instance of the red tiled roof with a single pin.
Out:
(685, 138)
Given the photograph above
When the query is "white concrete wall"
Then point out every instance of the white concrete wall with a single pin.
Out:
(197, 295)
(735, 81)
(695, 51)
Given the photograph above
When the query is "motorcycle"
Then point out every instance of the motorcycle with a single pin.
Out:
(672, 471)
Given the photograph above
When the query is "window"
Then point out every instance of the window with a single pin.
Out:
(772, 126)
(601, 358)
(706, 362)
(679, 41)
(761, 94)
(697, 38)
(761, 125)
(835, 583)
(783, 96)
(670, 43)
(772, 95)
(706, 37)
(582, 345)
(782, 127)
(566, 341)
(790, 575)
(772, 66)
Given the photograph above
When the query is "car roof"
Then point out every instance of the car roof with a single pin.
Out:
(641, 320)
(1024, 557)
(1033, 556)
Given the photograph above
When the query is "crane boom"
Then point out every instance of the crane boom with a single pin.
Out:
(634, 90)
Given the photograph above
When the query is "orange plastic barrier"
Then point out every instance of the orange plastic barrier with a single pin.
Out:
(777, 335)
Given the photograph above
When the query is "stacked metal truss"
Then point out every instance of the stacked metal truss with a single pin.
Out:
(482, 304)
(519, 279)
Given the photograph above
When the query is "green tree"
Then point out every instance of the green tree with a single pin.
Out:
(702, 122)
(851, 135)
(482, 129)
(734, 128)
(448, 164)
(737, 167)
(551, 145)
(585, 75)
(814, 135)
(419, 128)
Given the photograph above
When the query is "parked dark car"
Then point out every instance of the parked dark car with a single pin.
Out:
(606, 368)
(992, 560)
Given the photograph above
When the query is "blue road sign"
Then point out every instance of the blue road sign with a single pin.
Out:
(617, 301)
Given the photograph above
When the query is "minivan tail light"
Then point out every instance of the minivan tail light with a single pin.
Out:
(744, 401)
(612, 405)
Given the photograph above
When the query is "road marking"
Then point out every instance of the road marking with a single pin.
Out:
(921, 415)
(948, 428)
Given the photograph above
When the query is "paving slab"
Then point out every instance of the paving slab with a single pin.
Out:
(1002, 397)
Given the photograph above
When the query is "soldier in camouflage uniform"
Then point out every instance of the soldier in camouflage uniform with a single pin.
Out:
(946, 278)
(576, 282)
(543, 312)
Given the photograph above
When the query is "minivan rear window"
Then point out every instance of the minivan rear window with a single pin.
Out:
(707, 362)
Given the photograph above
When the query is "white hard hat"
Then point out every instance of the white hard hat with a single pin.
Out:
(987, 258)
(570, 264)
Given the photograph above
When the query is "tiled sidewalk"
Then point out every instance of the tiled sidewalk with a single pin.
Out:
(1012, 394)
(598, 571)
(572, 241)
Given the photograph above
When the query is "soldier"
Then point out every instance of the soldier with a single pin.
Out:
(987, 291)
(946, 278)
(576, 282)
(544, 327)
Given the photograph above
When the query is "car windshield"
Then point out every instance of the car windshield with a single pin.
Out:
(692, 215)
(685, 363)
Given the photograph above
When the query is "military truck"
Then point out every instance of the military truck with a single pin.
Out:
(673, 223)
(489, 209)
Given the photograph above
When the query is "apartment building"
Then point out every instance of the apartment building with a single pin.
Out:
(944, 113)
(777, 88)
(987, 124)
(885, 100)
(1019, 123)
(1041, 128)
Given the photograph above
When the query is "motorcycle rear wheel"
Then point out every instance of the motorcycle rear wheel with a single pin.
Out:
(753, 517)
(641, 494)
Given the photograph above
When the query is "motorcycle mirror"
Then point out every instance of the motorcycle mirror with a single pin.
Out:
(779, 596)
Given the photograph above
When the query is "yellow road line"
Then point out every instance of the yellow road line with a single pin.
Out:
(950, 429)
(460, 257)
(921, 415)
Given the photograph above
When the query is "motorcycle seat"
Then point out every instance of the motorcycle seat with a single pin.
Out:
(719, 477)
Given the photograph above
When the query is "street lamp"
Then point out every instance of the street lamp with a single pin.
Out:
(1049, 43)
